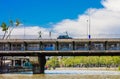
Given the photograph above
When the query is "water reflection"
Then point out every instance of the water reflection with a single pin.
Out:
(65, 74)
(59, 76)
(82, 72)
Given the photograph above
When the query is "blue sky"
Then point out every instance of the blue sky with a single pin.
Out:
(60, 16)
(44, 12)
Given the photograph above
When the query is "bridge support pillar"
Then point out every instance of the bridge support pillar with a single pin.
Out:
(39, 68)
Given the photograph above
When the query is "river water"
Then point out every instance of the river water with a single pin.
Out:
(64, 74)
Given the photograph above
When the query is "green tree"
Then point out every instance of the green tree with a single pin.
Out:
(12, 27)
(84, 61)
(9, 27)
(4, 28)
(53, 62)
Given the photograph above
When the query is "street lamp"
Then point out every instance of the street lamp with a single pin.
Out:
(50, 34)
(24, 32)
(89, 25)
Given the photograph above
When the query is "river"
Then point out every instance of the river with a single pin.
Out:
(64, 74)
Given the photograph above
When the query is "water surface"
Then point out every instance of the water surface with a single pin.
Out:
(65, 74)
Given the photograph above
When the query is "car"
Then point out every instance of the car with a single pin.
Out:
(64, 37)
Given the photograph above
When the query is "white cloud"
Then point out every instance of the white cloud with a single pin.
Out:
(29, 32)
(113, 5)
(103, 21)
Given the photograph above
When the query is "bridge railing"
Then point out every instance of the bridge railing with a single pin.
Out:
(60, 49)
(55, 37)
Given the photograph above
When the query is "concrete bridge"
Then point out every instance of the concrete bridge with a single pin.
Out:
(59, 47)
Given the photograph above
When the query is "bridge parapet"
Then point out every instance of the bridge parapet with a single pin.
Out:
(54, 45)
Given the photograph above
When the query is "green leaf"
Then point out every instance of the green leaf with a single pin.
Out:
(4, 26)
(17, 22)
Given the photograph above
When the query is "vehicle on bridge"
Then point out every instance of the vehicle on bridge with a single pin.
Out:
(64, 37)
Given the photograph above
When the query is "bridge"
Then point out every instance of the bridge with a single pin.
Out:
(58, 47)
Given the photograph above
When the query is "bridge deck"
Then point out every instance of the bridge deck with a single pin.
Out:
(61, 53)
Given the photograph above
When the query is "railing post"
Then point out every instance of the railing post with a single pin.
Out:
(10, 46)
(57, 45)
(25, 46)
(89, 45)
(40, 46)
(106, 45)
(73, 45)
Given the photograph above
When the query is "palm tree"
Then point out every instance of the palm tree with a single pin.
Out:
(13, 26)
(4, 28)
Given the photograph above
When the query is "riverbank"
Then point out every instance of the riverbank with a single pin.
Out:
(94, 68)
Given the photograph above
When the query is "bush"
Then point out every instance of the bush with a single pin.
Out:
(119, 68)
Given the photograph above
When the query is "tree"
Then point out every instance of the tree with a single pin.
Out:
(10, 27)
(53, 62)
(4, 28)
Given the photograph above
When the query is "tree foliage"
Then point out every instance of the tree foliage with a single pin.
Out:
(83, 61)
(9, 27)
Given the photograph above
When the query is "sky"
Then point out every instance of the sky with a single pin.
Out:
(43, 12)
(59, 16)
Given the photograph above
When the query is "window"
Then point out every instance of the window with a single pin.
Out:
(81, 46)
(16, 47)
(1, 47)
(33, 47)
(49, 47)
(65, 46)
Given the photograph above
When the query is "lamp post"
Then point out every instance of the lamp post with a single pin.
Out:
(50, 34)
(24, 29)
(24, 32)
(89, 25)
(87, 33)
